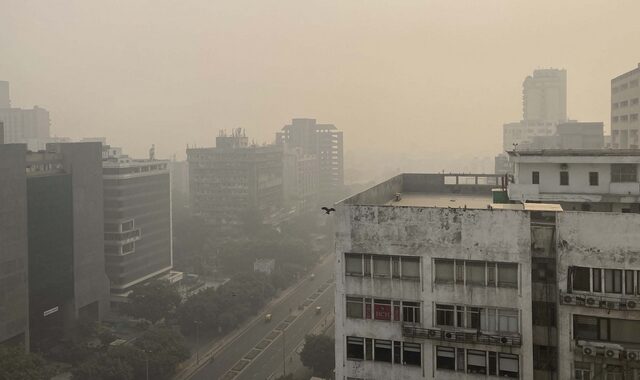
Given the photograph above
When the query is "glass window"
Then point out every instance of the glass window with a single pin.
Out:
(444, 315)
(613, 281)
(629, 282)
(367, 265)
(353, 263)
(508, 320)
(381, 266)
(395, 267)
(475, 272)
(368, 349)
(508, 275)
(476, 362)
(581, 279)
(368, 306)
(493, 363)
(473, 317)
(397, 352)
(624, 173)
(410, 267)
(411, 354)
(355, 348)
(354, 307)
(593, 179)
(460, 354)
(625, 330)
(597, 280)
(411, 312)
(564, 178)
(382, 350)
(585, 327)
(491, 274)
(508, 365)
(444, 271)
(445, 358)
(460, 272)
(535, 178)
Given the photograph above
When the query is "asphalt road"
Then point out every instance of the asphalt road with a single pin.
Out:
(257, 352)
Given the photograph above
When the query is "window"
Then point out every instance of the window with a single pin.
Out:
(368, 349)
(353, 264)
(460, 364)
(444, 315)
(411, 312)
(355, 307)
(629, 282)
(381, 266)
(355, 348)
(382, 350)
(411, 354)
(564, 178)
(613, 281)
(476, 362)
(410, 267)
(535, 178)
(508, 365)
(382, 310)
(493, 363)
(508, 275)
(634, 101)
(581, 279)
(475, 272)
(624, 173)
(633, 117)
(473, 317)
(593, 178)
(395, 267)
(507, 320)
(445, 358)
(491, 274)
(397, 352)
(444, 271)
(597, 280)
(587, 328)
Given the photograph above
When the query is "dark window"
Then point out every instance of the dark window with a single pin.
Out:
(411, 354)
(613, 281)
(444, 315)
(411, 312)
(355, 348)
(476, 362)
(597, 280)
(543, 313)
(624, 173)
(381, 266)
(368, 349)
(629, 282)
(353, 264)
(545, 357)
(444, 271)
(564, 178)
(354, 307)
(397, 352)
(382, 350)
(460, 365)
(535, 178)
(593, 178)
(581, 279)
(586, 327)
(493, 363)
(508, 275)
(445, 358)
(509, 366)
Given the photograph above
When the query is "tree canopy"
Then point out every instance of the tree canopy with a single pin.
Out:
(318, 354)
(153, 301)
(15, 364)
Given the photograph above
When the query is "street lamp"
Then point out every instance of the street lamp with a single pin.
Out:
(197, 323)
(284, 362)
(146, 360)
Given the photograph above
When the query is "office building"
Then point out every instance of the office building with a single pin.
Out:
(300, 179)
(326, 143)
(61, 189)
(14, 290)
(625, 108)
(544, 95)
(137, 220)
(235, 180)
(455, 277)
(570, 135)
(27, 126)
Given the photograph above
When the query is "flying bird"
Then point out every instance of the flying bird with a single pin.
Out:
(328, 210)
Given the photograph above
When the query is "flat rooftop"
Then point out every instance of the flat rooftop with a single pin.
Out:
(442, 200)
(577, 152)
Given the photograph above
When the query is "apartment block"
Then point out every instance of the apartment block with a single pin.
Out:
(544, 95)
(625, 107)
(27, 126)
(300, 179)
(325, 142)
(235, 179)
(137, 220)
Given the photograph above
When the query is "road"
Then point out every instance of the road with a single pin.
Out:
(257, 352)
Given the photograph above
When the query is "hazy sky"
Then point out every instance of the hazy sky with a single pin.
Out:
(424, 75)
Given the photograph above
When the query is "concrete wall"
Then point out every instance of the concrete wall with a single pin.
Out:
(597, 240)
(13, 245)
(502, 236)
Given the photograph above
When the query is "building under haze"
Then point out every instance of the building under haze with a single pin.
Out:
(300, 179)
(325, 142)
(625, 107)
(28, 126)
(544, 95)
(455, 276)
(62, 191)
(235, 180)
(137, 220)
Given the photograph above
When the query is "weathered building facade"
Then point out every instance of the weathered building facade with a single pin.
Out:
(625, 108)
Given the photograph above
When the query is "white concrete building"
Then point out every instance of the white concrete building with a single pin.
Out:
(544, 95)
(625, 107)
(24, 126)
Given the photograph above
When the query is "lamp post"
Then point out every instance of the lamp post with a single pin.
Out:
(146, 361)
(197, 323)
(284, 362)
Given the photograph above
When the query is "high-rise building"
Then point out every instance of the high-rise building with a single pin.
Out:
(14, 301)
(235, 179)
(54, 209)
(544, 96)
(300, 179)
(625, 108)
(461, 277)
(326, 143)
(27, 126)
(137, 220)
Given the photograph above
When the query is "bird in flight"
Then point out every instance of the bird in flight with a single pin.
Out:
(328, 210)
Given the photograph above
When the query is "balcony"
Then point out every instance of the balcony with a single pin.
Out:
(598, 301)
(624, 188)
(478, 337)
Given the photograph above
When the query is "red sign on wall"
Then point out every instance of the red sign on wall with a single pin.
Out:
(382, 312)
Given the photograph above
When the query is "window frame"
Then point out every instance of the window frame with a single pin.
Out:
(594, 179)
(564, 178)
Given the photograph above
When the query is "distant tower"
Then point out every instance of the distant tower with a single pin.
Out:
(5, 98)
(544, 96)
(152, 152)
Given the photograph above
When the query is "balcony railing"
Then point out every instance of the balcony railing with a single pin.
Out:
(598, 301)
(411, 331)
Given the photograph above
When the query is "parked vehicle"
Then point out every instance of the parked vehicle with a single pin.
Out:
(267, 317)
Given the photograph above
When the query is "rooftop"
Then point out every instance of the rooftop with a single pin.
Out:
(577, 152)
(442, 200)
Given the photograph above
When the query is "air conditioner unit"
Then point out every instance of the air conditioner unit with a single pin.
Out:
(589, 350)
(632, 354)
(591, 301)
(449, 335)
(612, 353)
(631, 304)
(568, 299)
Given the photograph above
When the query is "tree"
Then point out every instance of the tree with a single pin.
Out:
(165, 349)
(153, 301)
(318, 354)
(15, 364)
(103, 367)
